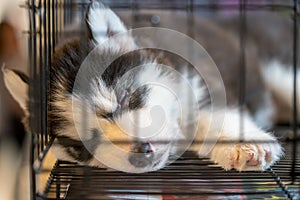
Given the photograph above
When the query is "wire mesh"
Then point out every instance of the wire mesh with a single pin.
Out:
(187, 178)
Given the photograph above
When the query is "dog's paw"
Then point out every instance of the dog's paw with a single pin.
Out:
(244, 157)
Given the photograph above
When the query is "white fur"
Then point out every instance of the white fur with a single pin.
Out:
(103, 96)
(233, 154)
(104, 23)
(102, 20)
(176, 92)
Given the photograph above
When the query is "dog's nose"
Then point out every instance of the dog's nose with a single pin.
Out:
(142, 155)
(142, 147)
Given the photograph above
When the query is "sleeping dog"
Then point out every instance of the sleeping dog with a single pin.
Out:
(119, 103)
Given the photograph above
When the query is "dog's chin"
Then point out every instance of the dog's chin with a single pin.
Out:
(160, 161)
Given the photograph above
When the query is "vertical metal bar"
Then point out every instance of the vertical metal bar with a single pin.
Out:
(32, 72)
(65, 9)
(62, 14)
(43, 45)
(56, 13)
(46, 71)
(35, 96)
(295, 108)
(57, 177)
(190, 11)
(242, 67)
(60, 19)
(191, 50)
(43, 66)
(134, 18)
(134, 12)
(53, 16)
(40, 53)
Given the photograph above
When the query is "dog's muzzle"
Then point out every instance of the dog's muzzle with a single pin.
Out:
(142, 155)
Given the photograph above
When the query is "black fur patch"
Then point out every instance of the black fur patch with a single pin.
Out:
(77, 150)
(66, 63)
(56, 119)
(138, 98)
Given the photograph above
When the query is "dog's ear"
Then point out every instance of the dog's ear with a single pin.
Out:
(104, 24)
(17, 84)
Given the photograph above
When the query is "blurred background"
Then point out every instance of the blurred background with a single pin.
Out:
(13, 54)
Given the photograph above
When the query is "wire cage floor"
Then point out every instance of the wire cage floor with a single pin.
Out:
(189, 178)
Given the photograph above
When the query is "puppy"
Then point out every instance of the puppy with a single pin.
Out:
(117, 103)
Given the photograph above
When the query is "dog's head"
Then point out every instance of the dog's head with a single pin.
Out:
(127, 120)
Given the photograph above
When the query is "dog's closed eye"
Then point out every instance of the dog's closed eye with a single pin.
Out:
(104, 115)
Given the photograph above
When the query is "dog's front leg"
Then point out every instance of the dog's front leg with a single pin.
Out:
(253, 149)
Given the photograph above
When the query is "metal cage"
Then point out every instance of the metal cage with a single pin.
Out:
(189, 177)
